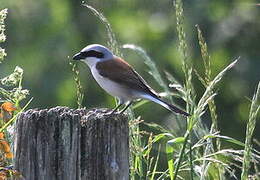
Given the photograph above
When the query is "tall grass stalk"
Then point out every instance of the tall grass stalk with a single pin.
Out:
(254, 109)
(112, 42)
(208, 96)
(191, 161)
(80, 94)
(187, 69)
(186, 61)
(205, 80)
(198, 158)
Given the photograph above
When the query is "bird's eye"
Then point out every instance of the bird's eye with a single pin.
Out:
(92, 53)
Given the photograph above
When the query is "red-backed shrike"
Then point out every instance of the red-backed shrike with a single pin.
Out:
(118, 78)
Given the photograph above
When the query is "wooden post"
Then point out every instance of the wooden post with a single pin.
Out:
(65, 144)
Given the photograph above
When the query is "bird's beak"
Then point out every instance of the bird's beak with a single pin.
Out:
(77, 56)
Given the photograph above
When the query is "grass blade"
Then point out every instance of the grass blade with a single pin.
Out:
(80, 94)
(112, 42)
(169, 152)
(254, 109)
(209, 90)
(183, 48)
(156, 163)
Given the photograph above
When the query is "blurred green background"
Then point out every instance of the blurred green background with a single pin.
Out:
(42, 34)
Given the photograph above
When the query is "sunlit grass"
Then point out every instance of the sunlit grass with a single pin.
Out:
(112, 42)
(80, 94)
(254, 109)
(197, 153)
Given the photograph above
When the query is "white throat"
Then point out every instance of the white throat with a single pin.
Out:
(91, 61)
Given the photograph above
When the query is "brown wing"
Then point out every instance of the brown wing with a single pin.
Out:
(121, 72)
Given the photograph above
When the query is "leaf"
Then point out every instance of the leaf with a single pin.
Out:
(169, 151)
(155, 127)
(226, 138)
(175, 141)
(162, 136)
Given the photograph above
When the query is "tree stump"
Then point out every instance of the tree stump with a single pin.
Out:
(65, 144)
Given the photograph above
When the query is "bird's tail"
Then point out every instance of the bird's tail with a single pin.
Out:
(166, 105)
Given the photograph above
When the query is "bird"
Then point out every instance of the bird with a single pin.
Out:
(119, 79)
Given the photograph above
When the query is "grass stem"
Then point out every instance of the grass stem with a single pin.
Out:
(254, 109)
(186, 137)
(191, 159)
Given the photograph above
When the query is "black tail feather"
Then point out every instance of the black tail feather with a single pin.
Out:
(176, 109)
(169, 106)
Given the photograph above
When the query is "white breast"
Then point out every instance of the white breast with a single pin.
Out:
(113, 88)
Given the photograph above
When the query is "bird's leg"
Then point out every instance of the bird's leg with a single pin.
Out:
(116, 108)
(125, 108)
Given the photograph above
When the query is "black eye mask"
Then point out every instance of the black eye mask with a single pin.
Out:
(92, 53)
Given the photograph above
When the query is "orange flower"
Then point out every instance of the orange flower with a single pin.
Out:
(6, 112)
(2, 135)
(3, 175)
(9, 155)
(8, 107)
(5, 147)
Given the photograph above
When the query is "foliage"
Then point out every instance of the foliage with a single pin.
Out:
(171, 152)
(11, 94)
(254, 109)
(3, 14)
(201, 157)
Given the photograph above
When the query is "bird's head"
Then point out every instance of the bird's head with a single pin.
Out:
(93, 53)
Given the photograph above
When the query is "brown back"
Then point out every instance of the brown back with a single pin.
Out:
(120, 71)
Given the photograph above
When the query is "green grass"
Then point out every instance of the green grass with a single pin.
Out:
(193, 153)
(254, 109)
(80, 94)
(197, 153)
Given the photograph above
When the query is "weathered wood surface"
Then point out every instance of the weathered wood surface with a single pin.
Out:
(65, 144)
